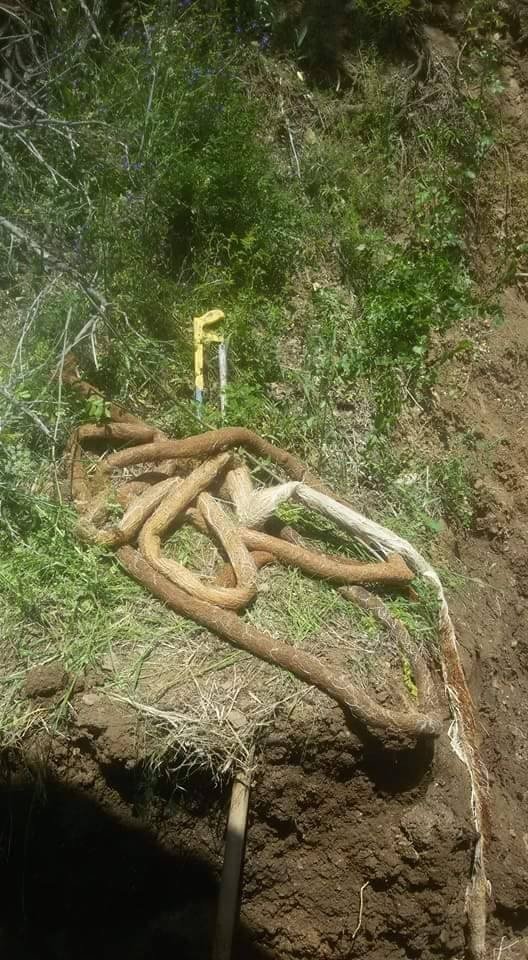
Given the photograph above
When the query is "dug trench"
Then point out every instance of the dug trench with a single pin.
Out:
(98, 859)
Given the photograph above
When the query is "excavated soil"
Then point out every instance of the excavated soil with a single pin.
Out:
(95, 859)
(98, 859)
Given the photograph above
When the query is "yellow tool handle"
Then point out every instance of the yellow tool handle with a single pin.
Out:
(201, 336)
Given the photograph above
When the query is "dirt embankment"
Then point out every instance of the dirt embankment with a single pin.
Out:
(98, 860)
(487, 400)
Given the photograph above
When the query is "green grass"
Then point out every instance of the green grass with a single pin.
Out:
(421, 495)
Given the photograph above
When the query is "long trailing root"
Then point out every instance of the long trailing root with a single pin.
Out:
(209, 444)
(133, 519)
(425, 687)
(302, 664)
(116, 432)
(392, 572)
(116, 413)
(226, 576)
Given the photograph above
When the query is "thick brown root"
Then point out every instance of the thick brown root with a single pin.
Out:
(303, 665)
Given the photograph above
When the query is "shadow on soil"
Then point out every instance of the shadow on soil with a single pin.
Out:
(78, 883)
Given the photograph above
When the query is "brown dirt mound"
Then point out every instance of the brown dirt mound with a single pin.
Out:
(97, 858)
(338, 815)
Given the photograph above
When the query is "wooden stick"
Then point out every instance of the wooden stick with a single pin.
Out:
(230, 884)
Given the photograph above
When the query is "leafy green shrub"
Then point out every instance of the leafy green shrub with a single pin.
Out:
(19, 513)
(323, 34)
(420, 492)
(170, 193)
(387, 8)
(413, 289)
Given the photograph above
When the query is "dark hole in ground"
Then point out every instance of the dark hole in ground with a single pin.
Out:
(397, 771)
(78, 882)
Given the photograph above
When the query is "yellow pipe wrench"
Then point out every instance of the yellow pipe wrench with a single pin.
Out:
(203, 335)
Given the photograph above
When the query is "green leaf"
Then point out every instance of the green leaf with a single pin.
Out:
(97, 408)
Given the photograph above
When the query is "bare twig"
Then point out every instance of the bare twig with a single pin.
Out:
(97, 298)
(12, 12)
(507, 204)
(91, 21)
(9, 162)
(28, 323)
(151, 93)
(294, 152)
(51, 122)
(148, 111)
(29, 103)
(54, 174)
(27, 410)
(459, 58)
(59, 403)
(32, 244)
(85, 332)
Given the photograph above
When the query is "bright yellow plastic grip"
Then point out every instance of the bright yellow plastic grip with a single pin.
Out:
(201, 336)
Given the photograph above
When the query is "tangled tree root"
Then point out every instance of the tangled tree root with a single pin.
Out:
(302, 664)
(158, 502)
